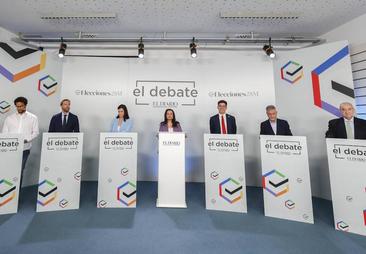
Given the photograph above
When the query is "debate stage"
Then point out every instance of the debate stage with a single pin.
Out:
(148, 229)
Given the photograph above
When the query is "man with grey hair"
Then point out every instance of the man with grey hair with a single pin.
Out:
(274, 125)
(348, 126)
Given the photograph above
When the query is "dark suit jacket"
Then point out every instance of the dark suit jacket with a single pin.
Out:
(337, 128)
(72, 124)
(215, 124)
(283, 128)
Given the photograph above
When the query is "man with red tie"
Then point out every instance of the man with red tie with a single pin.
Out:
(222, 123)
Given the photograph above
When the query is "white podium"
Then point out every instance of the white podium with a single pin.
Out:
(60, 172)
(286, 178)
(117, 170)
(171, 175)
(347, 172)
(225, 173)
(11, 153)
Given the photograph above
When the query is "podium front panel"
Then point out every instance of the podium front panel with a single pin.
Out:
(117, 170)
(286, 178)
(225, 173)
(60, 172)
(171, 175)
(11, 154)
(347, 171)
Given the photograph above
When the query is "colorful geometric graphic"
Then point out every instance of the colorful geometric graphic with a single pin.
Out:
(25, 73)
(47, 192)
(231, 190)
(16, 54)
(4, 107)
(126, 193)
(292, 72)
(7, 191)
(47, 85)
(275, 183)
(318, 101)
(341, 225)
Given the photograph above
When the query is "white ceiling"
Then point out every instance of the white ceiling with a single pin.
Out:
(141, 17)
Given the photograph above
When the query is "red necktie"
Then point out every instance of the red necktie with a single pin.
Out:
(223, 125)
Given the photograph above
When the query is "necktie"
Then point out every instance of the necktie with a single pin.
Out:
(349, 130)
(223, 125)
(64, 122)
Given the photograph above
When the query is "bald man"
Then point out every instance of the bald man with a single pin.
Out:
(348, 126)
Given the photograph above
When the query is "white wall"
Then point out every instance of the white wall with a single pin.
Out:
(353, 31)
(246, 72)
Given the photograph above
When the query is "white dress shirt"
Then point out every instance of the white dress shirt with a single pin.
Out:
(274, 126)
(26, 124)
(220, 116)
(350, 124)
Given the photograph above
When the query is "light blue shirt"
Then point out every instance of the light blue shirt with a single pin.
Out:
(125, 127)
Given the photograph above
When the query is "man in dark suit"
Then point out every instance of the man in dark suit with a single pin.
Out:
(222, 123)
(348, 126)
(64, 121)
(274, 125)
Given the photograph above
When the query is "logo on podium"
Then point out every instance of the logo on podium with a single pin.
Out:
(275, 183)
(47, 192)
(7, 191)
(126, 193)
(231, 190)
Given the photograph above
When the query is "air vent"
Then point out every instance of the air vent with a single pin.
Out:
(84, 16)
(251, 16)
(87, 35)
(246, 35)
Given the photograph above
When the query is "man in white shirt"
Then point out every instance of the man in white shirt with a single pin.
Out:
(25, 123)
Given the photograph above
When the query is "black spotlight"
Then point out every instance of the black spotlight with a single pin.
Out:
(141, 49)
(193, 48)
(62, 50)
(269, 49)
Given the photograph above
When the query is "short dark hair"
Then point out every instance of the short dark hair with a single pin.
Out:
(125, 116)
(270, 107)
(222, 101)
(62, 102)
(22, 100)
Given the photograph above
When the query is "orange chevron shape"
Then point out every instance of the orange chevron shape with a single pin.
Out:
(23, 74)
(8, 200)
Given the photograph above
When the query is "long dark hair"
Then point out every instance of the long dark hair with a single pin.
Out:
(175, 122)
(125, 116)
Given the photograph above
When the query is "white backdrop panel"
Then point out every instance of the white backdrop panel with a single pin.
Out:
(97, 86)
